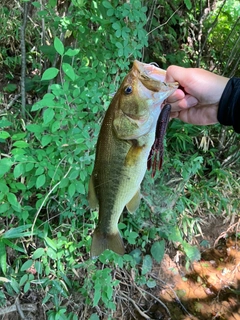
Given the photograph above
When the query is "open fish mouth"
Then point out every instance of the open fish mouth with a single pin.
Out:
(150, 71)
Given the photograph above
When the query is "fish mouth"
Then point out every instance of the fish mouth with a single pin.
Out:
(149, 71)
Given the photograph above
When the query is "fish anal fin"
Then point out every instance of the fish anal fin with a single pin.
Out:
(92, 197)
(102, 241)
(134, 203)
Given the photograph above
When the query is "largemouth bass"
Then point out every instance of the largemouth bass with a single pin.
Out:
(124, 143)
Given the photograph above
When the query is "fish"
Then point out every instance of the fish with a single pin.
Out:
(125, 139)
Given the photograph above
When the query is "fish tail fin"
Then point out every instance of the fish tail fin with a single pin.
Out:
(102, 241)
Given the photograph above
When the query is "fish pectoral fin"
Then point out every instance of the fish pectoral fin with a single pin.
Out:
(127, 128)
(102, 241)
(134, 203)
(92, 197)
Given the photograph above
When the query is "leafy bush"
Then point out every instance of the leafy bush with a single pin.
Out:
(76, 63)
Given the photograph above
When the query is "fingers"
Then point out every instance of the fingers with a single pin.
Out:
(177, 95)
(179, 100)
(199, 116)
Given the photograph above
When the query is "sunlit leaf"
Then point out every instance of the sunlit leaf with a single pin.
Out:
(50, 74)
(58, 45)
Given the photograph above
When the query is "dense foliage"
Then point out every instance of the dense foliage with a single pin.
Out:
(77, 53)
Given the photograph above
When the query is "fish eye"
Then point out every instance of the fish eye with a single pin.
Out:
(128, 90)
(154, 64)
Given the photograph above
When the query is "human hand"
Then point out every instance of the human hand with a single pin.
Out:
(197, 99)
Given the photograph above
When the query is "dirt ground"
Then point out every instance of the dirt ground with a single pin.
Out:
(209, 289)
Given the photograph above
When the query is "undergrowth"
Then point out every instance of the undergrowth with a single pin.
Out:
(73, 68)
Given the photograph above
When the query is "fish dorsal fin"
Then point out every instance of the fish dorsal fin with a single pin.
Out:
(134, 203)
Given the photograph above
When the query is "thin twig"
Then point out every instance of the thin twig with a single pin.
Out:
(225, 43)
(223, 234)
(213, 25)
(127, 298)
(163, 24)
(175, 295)
(45, 199)
(19, 309)
(154, 297)
(23, 54)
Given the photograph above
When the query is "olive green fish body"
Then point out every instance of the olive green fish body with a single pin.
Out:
(124, 143)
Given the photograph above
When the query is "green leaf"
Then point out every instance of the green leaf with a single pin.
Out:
(151, 283)
(46, 140)
(4, 135)
(37, 106)
(5, 166)
(27, 265)
(80, 187)
(55, 126)
(69, 71)
(71, 52)
(18, 170)
(23, 279)
(71, 190)
(147, 264)
(40, 181)
(188, 4)
(19, 136)
(192, 252)
(73, 174)
(3, 257)
(13, 245)
(58, 45)
(51, 243)
(107, 4)
(96, 297)
(5, 123)
(17, 232)
(50, 74)
(116, 26)
(29, 166)
(12, 199)
(94, 316)
(38, 253)
(119, 45)
(26, 287)
(157, 250)
(4, 207)
(20, 144)
(51, 253)
(35, 128)
(48, 115)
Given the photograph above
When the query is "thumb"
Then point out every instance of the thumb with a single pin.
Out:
(175, 73)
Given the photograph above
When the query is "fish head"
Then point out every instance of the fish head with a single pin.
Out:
(139, 99)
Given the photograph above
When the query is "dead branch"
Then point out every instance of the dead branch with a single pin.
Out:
(24, 307)
(127, 298)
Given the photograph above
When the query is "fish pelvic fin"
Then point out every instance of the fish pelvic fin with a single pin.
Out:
(134, 203)
(92, 197)
(102, 241)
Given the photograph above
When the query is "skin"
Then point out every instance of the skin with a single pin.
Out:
(197, 99)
